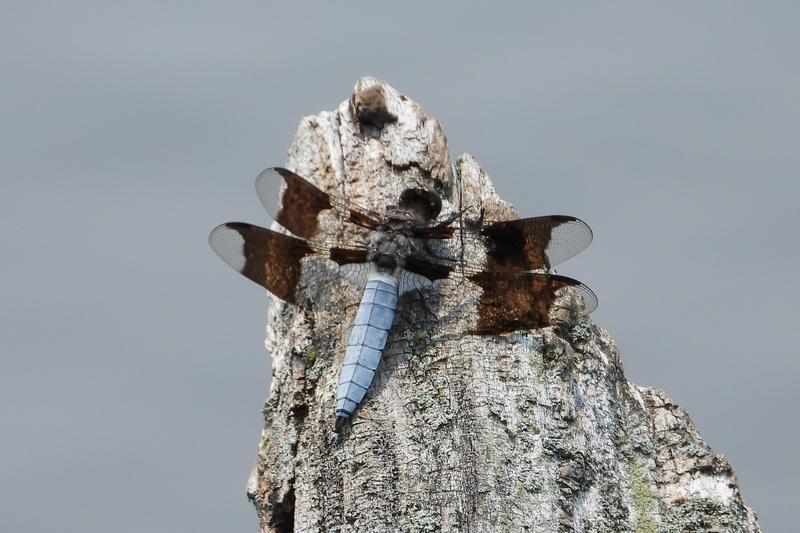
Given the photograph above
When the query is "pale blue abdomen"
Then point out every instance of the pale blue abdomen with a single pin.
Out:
(367, 340)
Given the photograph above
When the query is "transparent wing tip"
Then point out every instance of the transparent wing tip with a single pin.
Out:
(228, 243)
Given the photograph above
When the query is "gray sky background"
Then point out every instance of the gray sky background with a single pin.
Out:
(132, 371)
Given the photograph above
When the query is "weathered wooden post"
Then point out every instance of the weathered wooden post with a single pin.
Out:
(534, 431)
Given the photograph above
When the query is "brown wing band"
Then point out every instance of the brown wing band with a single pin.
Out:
(434, 232)
(511, 245)
(430, 270)
(344, 256)
(301, 205)
(516, 301)
(272, 259)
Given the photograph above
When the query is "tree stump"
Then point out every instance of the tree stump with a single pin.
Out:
(532, 431)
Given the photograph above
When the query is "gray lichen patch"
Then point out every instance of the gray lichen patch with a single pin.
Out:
(703, 515)
(431, 405)
(423, 520)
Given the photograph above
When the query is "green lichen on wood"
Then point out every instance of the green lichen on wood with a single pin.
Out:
(416, 338)
(309, 355)
(645, 500)
(315, 365)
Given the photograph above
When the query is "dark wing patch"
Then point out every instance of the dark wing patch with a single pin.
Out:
(272, 259)
(433, 232)
(522, 244)
(534, 243)
(524, 300)
(433, 269)
(343, 256)
(295, 203)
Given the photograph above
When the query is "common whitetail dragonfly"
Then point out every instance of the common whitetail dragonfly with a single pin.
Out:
(392, 258)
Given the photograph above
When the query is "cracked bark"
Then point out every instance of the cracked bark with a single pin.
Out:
(534, 431)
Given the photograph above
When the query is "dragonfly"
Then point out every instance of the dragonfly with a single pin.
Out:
(392, 252)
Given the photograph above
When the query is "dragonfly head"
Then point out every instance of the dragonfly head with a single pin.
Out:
(424, 203)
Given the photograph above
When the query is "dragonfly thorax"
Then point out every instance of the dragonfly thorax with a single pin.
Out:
(399, 219)
(389, 248)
